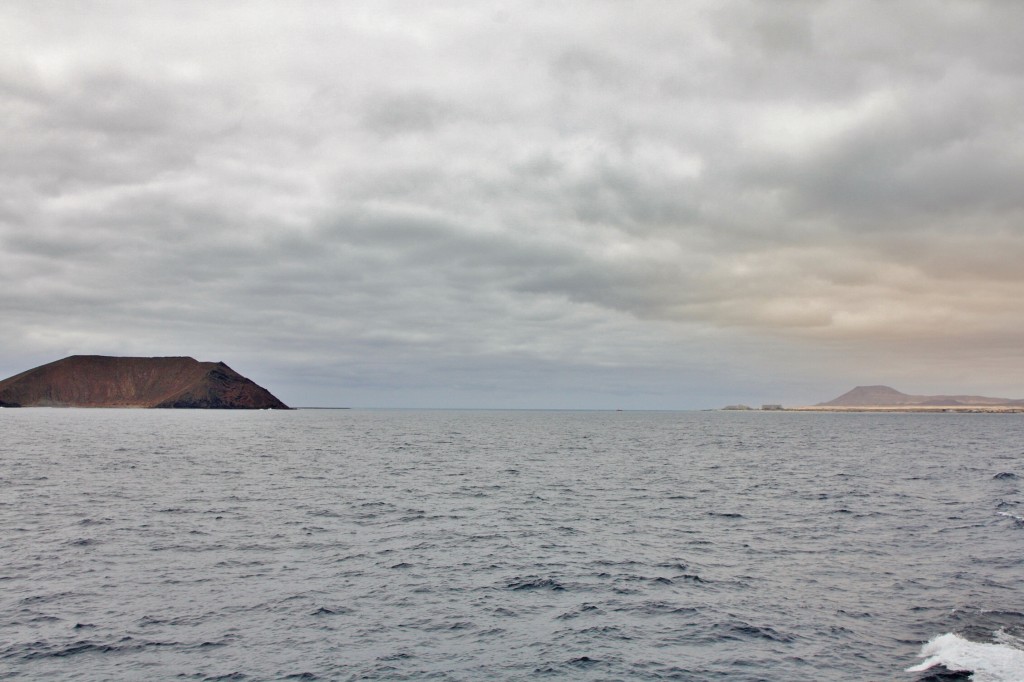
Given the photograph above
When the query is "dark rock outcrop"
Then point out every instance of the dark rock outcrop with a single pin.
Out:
(103, 381)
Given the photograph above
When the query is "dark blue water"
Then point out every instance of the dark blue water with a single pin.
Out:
(508, 545)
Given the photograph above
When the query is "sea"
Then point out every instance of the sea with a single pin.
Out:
(510, 545)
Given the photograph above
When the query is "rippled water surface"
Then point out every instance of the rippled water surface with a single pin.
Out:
(467, 545)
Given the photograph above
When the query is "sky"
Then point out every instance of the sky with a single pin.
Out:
(600, 205)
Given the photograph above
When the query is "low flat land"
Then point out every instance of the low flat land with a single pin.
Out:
(909, 408)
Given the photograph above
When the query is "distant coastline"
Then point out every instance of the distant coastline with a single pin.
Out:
(887, 399)
(994, 409)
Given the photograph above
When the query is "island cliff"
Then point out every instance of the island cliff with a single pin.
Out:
(103, 381)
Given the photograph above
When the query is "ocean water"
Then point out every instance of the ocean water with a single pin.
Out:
(478, 545)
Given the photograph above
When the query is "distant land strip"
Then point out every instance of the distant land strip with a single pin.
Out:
(887, 399)
(907, 408)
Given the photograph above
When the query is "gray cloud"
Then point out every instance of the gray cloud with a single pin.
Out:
(648, 205)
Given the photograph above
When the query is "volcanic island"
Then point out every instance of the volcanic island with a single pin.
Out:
(105, 381)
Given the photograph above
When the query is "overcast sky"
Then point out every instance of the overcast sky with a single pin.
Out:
(514, 204)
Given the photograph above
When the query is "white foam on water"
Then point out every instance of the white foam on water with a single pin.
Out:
(987, 662)
(1015, 517)
(1003, 637)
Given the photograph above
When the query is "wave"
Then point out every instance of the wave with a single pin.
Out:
(988, 662)
(1016, 517)
(533, 582)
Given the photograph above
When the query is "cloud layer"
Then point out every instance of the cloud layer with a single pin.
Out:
(495, 204)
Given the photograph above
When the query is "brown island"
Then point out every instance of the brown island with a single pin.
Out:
(886, 399)
(103, 381)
